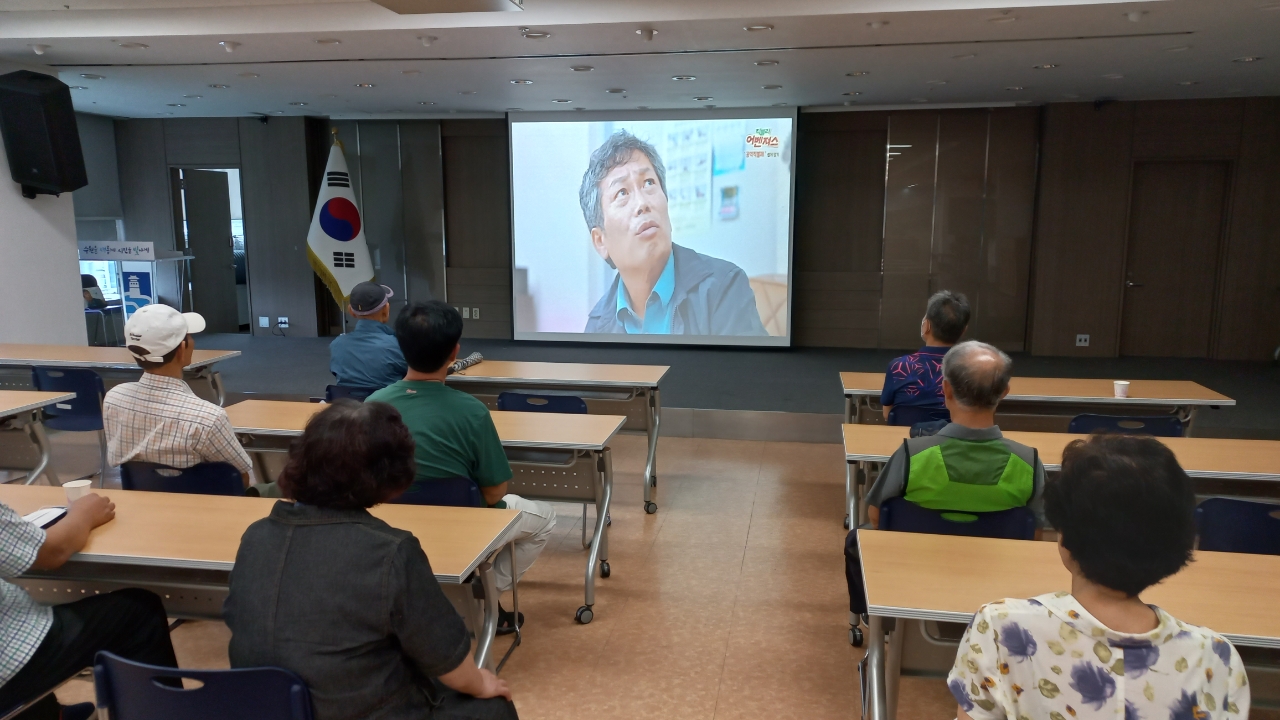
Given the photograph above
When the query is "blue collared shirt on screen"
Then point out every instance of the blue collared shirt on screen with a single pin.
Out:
(657, 310)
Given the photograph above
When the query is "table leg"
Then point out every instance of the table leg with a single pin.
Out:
(651, 463)
(861, 483)
(515, 605)
(874, 702)
(484, 641)
(850, 501)
(893, 666)
(35, 430)
(848, 409)
(599, 546)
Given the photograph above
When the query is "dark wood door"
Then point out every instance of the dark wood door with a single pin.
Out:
(1175, 231)
(213, 271)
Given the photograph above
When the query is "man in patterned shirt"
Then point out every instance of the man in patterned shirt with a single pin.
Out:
(916, 380)
(159, 419)
(41, 646)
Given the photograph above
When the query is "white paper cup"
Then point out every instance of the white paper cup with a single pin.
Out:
(77, 489)
(1122, 388)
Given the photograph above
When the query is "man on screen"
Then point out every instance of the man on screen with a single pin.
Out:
(661, 288)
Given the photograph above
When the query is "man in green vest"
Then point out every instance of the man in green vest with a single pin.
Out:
(967, 467)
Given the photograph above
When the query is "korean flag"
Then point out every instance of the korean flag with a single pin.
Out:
(335, 243)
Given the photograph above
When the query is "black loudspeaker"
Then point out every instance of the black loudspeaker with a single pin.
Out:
(40, 136)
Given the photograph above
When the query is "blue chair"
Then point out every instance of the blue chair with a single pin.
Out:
(909, 415)
(901, 515)
(451, 492)
(211, 478)
(1158, 425)
(83, 413)
(133, 691)
(530, 402)
(1239, 526)
(340, 392)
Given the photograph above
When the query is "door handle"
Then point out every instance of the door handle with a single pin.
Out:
(1133, 284)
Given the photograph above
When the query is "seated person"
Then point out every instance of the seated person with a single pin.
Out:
(916, 379)
(1124, 511)
(454, 434)
(158, 419)
(92, 294)
(968, 466)
(368, 357)
(349, 603)
(42, 646)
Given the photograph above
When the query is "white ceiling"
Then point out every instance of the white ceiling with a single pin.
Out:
(911, 57)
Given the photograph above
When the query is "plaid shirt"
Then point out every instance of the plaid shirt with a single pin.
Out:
(158, 419)
(23, 622)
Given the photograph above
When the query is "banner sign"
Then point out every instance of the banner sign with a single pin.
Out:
(116, 250)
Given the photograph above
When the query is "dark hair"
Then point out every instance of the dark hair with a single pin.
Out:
(87, 281)
(352, 455)
(428, 332)
(977, 384)
(948, 315)
(1125, 509)
(147, 364)
(615, 151)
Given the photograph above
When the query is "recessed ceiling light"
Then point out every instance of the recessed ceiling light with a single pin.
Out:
(521, 82)
(91, 76)
(133, 45)
(193, 97)
(579, 108)
(40, 49)
(847, 103)
(466, 92)
(770, 87)
(1178, 48)
(615, 91)
(366, 86)
(1002, 19)
(582, 68)
(329, 41)
(1135, 15)
(534, 34)
(703, 98)
(410, 72)
(175, 104)
(79, 87)
(852, 93)
(427, 40)
(562, 102)
(1189, 82)
(277, 112)
(515, 109)
(1113, 76)
(758, 28)
(298, 104)
(858, 73)
(766, 63)
(164, 113)
(935, 82)
(229, 45)
(1247, 59)
(1046, 66)
(1015, 87)
(219, 86)
(250, 75)
(683, 77)
(877, 24)
(329, 95)
(779, 104)
(424, 102)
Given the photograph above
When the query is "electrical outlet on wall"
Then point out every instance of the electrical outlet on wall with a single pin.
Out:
(466, 313)
(282, 321)
(264, 321)
(475, 313)
(1082, 340)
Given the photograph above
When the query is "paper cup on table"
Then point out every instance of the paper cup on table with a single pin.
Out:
(77, 489)
(1122, 388)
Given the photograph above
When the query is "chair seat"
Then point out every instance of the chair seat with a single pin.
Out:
(73, 423)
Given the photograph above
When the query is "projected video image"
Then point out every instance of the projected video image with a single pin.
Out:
(653, 231)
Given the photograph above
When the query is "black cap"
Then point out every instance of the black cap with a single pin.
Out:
(368, 298)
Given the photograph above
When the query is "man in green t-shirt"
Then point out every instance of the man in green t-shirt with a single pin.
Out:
(454, 435)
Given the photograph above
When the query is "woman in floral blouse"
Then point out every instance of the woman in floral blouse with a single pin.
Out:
(1124, 510)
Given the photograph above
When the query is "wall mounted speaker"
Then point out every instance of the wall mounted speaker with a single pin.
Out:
(40, 137)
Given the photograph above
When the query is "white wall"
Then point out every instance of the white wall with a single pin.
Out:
(40, 298)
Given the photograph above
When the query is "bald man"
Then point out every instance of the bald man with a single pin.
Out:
(967, 467)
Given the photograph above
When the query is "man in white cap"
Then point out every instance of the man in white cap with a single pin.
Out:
(368, 357)
(159, 419)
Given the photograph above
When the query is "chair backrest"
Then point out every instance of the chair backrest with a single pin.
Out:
(531, 402)
(1158, 425)
(452, 492)
(211, 478)
(134, 691)
(339, 392)
(908, 415)
(1240, 526)
(81, 413)
(901, 515)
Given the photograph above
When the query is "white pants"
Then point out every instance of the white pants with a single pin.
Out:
(533, 529)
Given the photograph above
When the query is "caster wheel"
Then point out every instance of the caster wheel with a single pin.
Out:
(651, 507)
(584, 615)
(605, 570)
(855, 636)
(846, 522)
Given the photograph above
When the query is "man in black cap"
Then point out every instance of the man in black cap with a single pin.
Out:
(368, 357)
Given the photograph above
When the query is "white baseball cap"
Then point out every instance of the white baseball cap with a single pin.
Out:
(154, 330)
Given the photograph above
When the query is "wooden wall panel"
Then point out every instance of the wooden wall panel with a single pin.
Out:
(957, 209)
(908, 226)
(1168, 129)
(1250, 299)
(277, 202)
(1008, 217)
(1080, 228)
(477, 212)
(202, 142)
(382, 200)
(422, 176)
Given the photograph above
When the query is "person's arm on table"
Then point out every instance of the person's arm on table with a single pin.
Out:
(71, 533)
